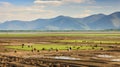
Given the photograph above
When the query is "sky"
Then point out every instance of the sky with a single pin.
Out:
(28, 10)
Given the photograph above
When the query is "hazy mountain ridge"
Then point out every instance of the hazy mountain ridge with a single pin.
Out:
(93, 22)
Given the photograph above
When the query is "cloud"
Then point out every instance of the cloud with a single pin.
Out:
(8, 7)
(48, 2)
(40, 9)
(80, 1)
(9, 11)
(85, 13)
(5, 4)
(61, 2)
(88, 11)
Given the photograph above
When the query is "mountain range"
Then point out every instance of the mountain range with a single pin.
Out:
(93, 22)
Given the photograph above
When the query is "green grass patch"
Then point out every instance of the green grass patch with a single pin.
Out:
(54, 46)
(94, 41)
(54, 34)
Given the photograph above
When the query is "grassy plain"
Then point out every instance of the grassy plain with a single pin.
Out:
(88, 47)
(94, 41)
(55, 34)
(54, 47)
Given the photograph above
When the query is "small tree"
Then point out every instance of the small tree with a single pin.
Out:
(56, 50)
(101, 48)
(15, 51)
(43, 48)
(93, 48)
(28, 46)
(78, 48)
(23, 45)
(51, 48)
(96, 45)
(38, 51)
(70, 48)
(32, 50)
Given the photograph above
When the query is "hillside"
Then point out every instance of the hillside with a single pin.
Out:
(93, 22)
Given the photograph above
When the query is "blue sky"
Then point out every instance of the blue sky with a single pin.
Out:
(33, 9)
(19, 2)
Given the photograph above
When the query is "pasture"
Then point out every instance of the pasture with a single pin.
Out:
(53, 47)
(57, 34)
(60, 49)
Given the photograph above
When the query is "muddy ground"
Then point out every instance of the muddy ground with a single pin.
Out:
(109, 57)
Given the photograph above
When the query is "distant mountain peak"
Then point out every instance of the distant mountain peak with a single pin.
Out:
(115, 13)
(62, 16)
(61, 22)
(96, 15)
(101, 14)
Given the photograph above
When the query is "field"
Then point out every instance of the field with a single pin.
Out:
(53, 47)
(60, 49)
(56, 34)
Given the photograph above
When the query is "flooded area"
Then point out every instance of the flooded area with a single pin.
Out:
(116, 60)
(105, 56)
(65, 58)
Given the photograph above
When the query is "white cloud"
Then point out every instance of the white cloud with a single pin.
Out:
(88, 11)
(48, 2)
(61, 2)
(85, 13)
(39, 9)
(80, 1)
(5, 4)
(12, 12)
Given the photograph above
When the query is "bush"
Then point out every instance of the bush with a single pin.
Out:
(43, 48)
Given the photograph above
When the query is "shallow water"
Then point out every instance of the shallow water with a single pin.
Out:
(116, 60)
(33, 56)
(65, 58)
(105, 56)
(54, 57)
